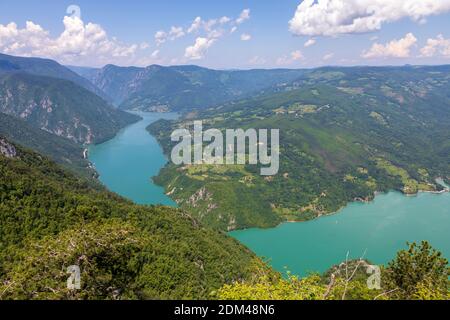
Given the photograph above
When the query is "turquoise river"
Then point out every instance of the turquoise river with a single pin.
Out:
(377, 229)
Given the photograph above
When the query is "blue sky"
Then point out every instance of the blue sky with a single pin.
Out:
(230, 34)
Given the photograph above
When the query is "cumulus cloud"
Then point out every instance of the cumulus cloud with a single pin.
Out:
(79, 43)
(244, 16)
(246, 37)
(436, 47)
(199, 49)
(196, 25)
(328, 56)
(334, 17)
(310, 43)
(291, 58)
(206, 25)
(174, 33)
(395, 49)
(160, 37)
(210, 31)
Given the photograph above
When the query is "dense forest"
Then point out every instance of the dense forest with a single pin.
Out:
(52, 219)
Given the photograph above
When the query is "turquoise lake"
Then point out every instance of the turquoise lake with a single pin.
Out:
(127, 163)
(380, 228)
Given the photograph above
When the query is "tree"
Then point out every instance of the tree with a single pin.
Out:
(418, 273)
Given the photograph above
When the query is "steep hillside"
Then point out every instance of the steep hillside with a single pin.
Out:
(345, 133)
(59, 149)
(47, 68)
(182, 88)
(51, 219)
(60, 107)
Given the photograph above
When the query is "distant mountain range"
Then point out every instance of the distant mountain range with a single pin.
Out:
(55, 99)
(180, 88)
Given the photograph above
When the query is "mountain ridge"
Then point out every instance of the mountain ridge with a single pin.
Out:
(45, 67)
(61, 107)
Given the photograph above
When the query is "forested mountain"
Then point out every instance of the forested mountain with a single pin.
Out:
(51, 219)
(47, 68)
(345, 133)
(181, 88)
(60, 107)
(59, 149)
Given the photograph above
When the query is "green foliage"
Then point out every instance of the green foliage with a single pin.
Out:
(52, 219)
(266, 286)
(419, 272)
(103, 251)
(59, 149)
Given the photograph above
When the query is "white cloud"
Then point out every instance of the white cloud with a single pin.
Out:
(160, 37)
(291, 58)
(439, 46)
(297, 55)
(210, 31)
(199, 49)
(155, 54)
(215, 34)
(80, 43)
(176, 32)
(144, 45)
(395, 49)
(328, 56)
(310, 43)
(244, 16)
(257, 60)
(199, 24)
(246, 37)
(196, 25)
(224, 20)
(334, 17)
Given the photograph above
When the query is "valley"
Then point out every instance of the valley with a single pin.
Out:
(364, 168)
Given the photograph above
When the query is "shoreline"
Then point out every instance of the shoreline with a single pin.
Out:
(377, 193)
